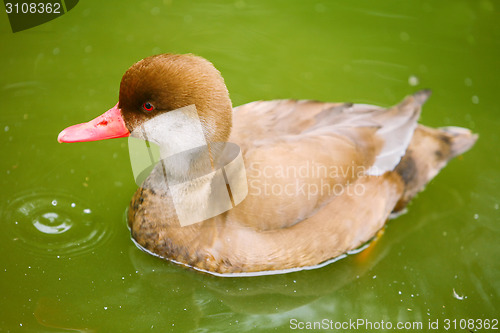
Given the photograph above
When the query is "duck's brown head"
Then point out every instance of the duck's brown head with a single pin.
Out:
(160, 84)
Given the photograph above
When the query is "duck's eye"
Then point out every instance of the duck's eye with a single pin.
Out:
(148, 106)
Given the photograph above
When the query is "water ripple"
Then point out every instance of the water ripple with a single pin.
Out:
(54, 224)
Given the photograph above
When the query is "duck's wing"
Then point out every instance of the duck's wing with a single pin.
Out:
(268, 120)
(299, 155)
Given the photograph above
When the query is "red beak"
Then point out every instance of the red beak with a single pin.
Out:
(109, 125)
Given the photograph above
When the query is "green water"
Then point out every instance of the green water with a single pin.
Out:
(67, 259)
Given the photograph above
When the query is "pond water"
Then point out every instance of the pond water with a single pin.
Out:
(68, 263)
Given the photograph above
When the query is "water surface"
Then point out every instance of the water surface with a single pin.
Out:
(67, 259)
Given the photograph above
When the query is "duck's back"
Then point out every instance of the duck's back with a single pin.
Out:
(300, 155)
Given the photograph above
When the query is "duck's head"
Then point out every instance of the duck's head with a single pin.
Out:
(160, 84)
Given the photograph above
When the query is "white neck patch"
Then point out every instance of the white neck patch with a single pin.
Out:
(194, 171)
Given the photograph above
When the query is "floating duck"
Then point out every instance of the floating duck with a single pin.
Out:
(322, 178)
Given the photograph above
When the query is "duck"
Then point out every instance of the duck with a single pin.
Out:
(322, 178)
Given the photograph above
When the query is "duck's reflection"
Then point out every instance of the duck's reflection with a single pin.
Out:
(162, 296)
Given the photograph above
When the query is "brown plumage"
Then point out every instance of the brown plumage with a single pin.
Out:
(340, 169)
(277, 232)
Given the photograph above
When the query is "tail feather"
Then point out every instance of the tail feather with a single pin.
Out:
(462, 139)
(429, 151)
(397, 127)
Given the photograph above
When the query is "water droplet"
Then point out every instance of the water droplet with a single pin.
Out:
(476, 216)
(468, 82)
(404, 36)
(45, 224)
(56, 51)
(475, 99)
(88, 48)
(457, 296)
(52, 223)
(413, 80)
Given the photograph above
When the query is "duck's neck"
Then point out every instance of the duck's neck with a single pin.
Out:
(188, 159)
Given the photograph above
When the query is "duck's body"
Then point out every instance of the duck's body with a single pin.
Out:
(322, 178)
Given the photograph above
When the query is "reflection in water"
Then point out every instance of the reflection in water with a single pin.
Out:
(49, 313)
(156, 295)
(58, 224)
(52, 223)
(247, 302)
